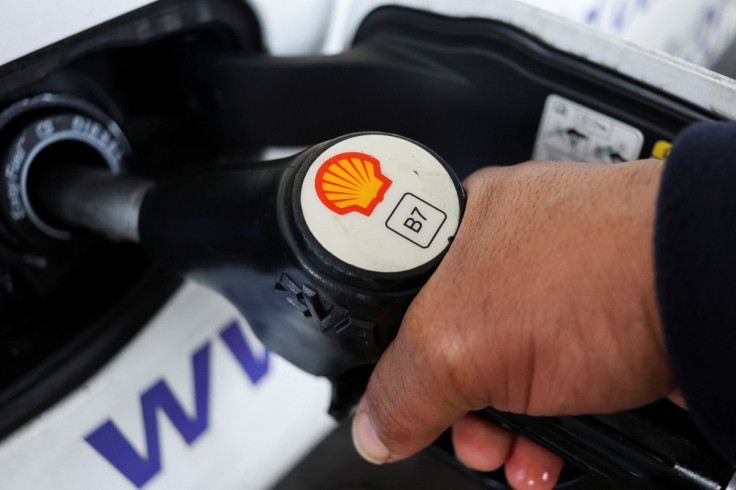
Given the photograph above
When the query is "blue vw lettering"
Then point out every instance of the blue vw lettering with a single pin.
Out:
(113, 445)
(236, 341)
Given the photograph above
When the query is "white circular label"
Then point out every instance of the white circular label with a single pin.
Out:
(380, 203)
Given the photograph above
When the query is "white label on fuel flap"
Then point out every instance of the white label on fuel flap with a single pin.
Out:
(572, 132)
(380, 203)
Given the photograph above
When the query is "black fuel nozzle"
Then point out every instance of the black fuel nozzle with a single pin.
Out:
(322, 252)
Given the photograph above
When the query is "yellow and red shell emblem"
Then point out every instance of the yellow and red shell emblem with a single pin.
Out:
(351, 182)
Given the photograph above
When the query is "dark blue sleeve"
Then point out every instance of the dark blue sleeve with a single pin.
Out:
(695, 260)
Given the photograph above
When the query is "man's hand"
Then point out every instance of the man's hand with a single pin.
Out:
(544, 305)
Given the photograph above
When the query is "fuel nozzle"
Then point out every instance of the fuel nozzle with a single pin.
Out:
(322, 252)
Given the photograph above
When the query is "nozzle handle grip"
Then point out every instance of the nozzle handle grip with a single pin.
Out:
(636, 449)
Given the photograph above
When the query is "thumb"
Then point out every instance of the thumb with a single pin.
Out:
(406, 405)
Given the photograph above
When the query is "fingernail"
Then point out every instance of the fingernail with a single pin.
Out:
(523, 480)
(366, 441)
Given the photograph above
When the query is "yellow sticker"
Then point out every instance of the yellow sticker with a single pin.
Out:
(662, 149)
(351, 182)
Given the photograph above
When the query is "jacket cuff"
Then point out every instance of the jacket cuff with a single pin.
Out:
(695, 262)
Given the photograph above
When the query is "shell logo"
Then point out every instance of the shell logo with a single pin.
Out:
(351, 182)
